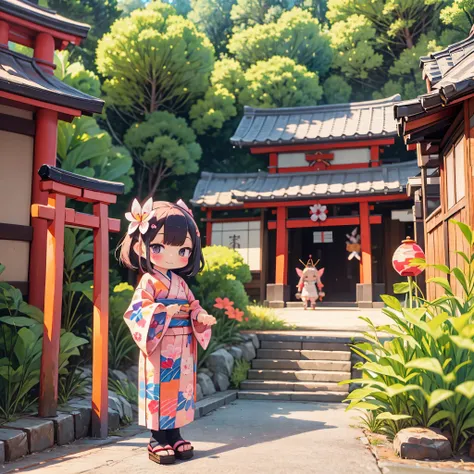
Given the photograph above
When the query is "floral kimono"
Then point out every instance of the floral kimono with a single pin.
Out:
(168, 350)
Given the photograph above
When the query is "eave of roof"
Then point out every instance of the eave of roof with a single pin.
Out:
(317, 124)
(43, 16)
(21, 75)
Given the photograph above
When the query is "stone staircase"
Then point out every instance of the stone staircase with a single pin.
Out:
(298, 368)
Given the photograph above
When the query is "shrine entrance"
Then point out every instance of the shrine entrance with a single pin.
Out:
(328, 245)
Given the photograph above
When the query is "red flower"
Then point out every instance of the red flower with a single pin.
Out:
(223, 303)
(238, 315)
(167, 364)
(246, 319)
(153, 406)
(230, 312)
(137, 336)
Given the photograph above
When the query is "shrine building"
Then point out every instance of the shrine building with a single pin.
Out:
(32, 100)
(335, 188)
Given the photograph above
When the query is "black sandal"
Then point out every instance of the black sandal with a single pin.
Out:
(183, 455)
(155, 456)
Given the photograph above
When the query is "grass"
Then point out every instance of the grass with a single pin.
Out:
(239, 374)
(261, 318)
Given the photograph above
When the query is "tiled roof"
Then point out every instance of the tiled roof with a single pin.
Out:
(436, 65)
(21, 75)
(29, 10)
(323, 123)
(215, 189)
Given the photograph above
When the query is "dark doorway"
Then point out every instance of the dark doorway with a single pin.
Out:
(340, 275)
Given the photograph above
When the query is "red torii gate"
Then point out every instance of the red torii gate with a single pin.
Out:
(59, 185)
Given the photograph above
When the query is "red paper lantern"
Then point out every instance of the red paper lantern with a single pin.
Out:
(404, 255)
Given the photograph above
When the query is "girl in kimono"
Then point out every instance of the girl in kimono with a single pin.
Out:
(166, 321)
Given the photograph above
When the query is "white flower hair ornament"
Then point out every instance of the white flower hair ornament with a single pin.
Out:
(140, 217)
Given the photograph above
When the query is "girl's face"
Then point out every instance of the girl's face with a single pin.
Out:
(167, 257)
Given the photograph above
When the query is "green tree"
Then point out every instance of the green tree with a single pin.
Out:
(336, 90)
(128, 6)
(154, 59)
(295, 35)
(100, 14)
(280, 82)
(459, 15)
(165, 145)
(212, 17)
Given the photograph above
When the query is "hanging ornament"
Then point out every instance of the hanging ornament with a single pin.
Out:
(318, 213)
(404, 255)
(353, 244)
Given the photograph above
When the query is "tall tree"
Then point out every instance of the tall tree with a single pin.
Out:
(295, 35)
(154, 59)
(459, 15)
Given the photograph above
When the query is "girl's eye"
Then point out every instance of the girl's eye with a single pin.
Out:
(156, 248)
(184, 252)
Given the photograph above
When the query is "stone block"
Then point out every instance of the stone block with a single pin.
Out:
(277, 293)
(199, 395)
(63, 428)
(255, 340)
(115, 404)
(221, 382)
(235, 352)
(422, 443)
(86, 373)
(119, 375)
(114, 420)
(205, 371)
(248, 351)
(364, 295)
(132, 374)
(127, 408)
(2, 452)
(82, 420)
(15, 443)
(206, 384)
(221, 361)
(40, 432)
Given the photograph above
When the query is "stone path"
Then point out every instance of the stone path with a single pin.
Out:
(245, 437)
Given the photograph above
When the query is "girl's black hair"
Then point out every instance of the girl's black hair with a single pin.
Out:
(176, 227)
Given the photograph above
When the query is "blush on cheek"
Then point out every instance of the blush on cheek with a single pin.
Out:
(156, 258)
(183, 261)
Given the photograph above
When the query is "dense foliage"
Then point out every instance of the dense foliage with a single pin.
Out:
(419, 370)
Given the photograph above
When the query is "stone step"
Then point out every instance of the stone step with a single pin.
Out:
(302, 354)
(293, 396)
(299, 345)
(281, 385)
(299, 375)
(301, 364)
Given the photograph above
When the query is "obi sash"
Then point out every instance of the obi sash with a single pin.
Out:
(180, 319)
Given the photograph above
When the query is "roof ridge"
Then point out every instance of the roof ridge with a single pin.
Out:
(387, 101)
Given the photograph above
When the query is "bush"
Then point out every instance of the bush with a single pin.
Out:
(224, 275)
(239, 374)
(424, 375)
(260, 318)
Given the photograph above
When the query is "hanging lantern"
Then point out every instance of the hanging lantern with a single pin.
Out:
(404, 255)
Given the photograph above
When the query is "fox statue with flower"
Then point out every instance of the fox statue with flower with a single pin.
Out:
(310, 287)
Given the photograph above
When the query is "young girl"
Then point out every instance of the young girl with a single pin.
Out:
(166, 321)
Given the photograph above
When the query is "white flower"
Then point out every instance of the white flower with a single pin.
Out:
(140, 216)
(318, 212)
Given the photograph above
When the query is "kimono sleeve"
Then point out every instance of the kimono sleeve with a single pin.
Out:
(147, 320)
(202, 332)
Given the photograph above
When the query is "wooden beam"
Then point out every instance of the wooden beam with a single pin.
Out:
(366, 244)
(321, 146)
(100, 325)
(54, 187)
(220, 220)
(427, 120)
(329, 222)
(20, 125)
(22, 233)
(209, 227)
(281, 273)
(48, 398)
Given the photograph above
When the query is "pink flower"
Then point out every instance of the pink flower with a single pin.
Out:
(246, 319)
(223, 303)
(141, 323)
(238, 315)
(189, 392)
(137, 336)
(230, 312)
(171, 352)
(187, 366)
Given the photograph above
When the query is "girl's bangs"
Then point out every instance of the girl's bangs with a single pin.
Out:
(175, 228)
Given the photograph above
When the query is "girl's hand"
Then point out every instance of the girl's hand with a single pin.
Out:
(172, 309)
(206, 319)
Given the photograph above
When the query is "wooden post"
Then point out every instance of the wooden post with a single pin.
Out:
(44, 50)
(366, 244)
(4, 32)
(374, 156)
(48, 398)
(281, 274)
(273, 163)
(45, 154)
(100, 327)
(209, 227)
